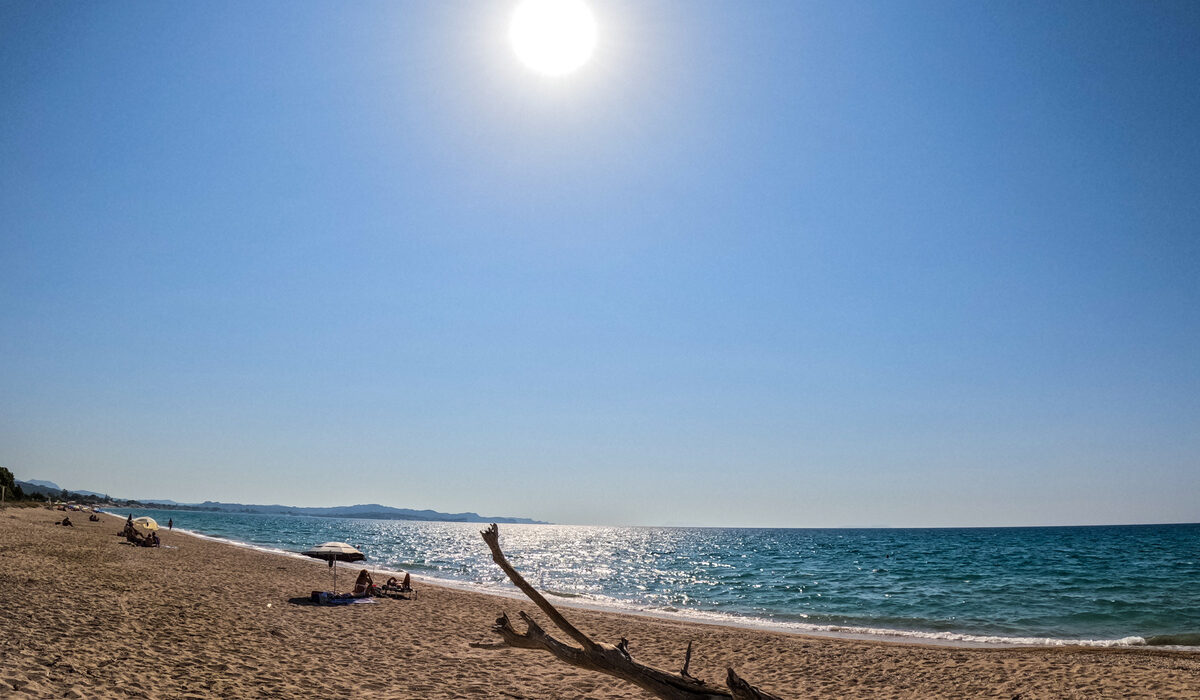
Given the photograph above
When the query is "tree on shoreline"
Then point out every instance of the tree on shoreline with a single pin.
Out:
(9, 483)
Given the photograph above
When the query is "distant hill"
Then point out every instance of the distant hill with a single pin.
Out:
(49, 488)
(373, 511)
(370, 511)
(39, 487)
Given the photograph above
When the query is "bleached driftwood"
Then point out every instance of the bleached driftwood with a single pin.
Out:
(611, 659)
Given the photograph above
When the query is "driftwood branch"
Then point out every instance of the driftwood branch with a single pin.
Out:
(492, 537)
(743, 690)
(613, 660)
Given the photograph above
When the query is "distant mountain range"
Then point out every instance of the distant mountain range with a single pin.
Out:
(372, 511)
(49, 488)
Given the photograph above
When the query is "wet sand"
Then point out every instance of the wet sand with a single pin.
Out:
(82, 614)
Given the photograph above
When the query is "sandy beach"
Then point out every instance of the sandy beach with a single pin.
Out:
(85, 615)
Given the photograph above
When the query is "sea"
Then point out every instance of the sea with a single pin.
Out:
(1128, 585)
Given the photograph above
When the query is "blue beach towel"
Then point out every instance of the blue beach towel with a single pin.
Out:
(326, 598)
(350, 601)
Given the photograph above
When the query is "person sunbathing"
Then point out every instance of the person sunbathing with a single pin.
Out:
(363, 586)
(151, 540)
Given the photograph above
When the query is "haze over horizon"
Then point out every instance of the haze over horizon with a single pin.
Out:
(166, 503)
(782, 264)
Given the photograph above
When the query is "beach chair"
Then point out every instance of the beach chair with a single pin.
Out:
(402, 589)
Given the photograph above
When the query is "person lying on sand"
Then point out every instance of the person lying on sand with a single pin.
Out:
(131, 535)
(363, 586)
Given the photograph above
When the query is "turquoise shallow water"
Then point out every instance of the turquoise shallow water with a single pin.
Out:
(1118, 585)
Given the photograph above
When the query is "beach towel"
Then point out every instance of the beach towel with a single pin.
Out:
(326, 598)
(349, 601)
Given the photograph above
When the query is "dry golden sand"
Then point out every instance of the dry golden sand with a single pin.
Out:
(84, 615)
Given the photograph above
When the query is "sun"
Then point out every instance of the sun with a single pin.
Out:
(553, 37)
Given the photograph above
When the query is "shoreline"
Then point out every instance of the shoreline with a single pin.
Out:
(947, 638)
(88, 615)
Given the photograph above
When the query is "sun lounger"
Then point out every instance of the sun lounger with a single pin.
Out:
(397, 592)
(394, 589)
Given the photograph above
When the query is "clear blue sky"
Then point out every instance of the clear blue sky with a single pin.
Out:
(793, 263)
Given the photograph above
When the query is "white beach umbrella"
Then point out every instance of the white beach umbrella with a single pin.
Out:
(145, 523)
(334, 552)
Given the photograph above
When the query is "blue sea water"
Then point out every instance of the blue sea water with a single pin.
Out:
(1113, 585)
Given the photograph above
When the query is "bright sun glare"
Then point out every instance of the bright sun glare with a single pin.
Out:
(553, 37)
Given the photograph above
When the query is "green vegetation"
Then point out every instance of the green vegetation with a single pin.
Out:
(11, 492)
(15, 495)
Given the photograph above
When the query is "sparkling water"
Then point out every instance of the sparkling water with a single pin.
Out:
(1117, 585)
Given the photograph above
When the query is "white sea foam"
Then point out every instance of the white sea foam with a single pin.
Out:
(605, 604)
